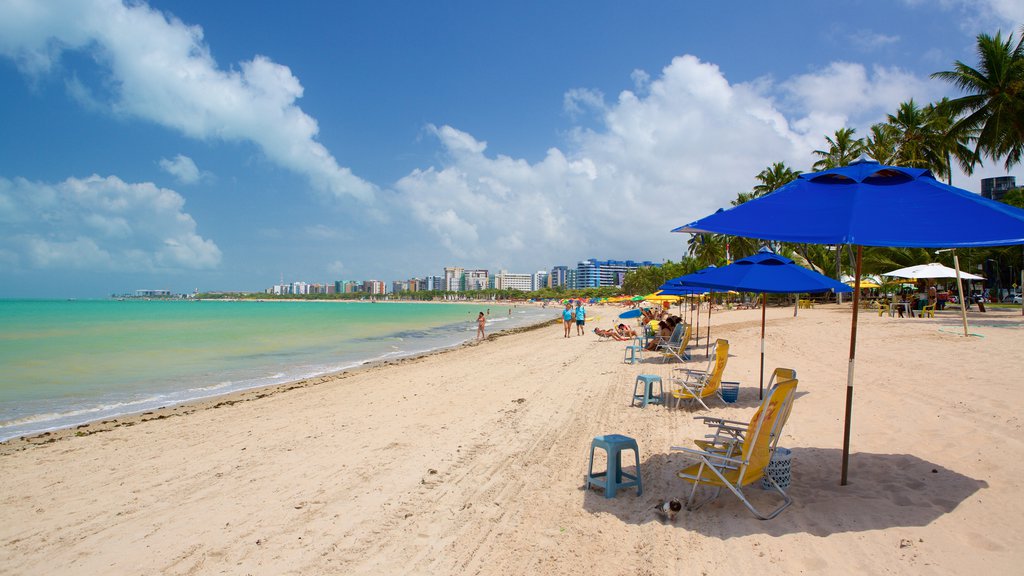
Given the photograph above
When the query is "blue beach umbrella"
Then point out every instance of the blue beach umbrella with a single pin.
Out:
(869, 204)
(763, 272)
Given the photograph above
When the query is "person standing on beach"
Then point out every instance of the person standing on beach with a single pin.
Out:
(567, 317)
(581, 318)
(480, 323)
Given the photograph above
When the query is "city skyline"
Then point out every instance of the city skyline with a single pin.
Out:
(178, 145)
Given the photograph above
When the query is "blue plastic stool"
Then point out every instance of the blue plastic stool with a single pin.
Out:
(611, 479)
(647, 395)
(633, 353)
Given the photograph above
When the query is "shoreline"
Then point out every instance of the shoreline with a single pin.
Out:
(99, 425)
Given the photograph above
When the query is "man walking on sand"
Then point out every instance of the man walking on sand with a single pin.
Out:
(581, 317)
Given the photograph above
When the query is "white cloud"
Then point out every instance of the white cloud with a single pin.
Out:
(161, 70)
(100, 224)
(678, 151)
(181, 167)
(336, 268)
(868, 40)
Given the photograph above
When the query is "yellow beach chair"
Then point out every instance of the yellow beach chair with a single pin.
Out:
(696, 385)
(727, 436)
(719, 471)
(928, 310)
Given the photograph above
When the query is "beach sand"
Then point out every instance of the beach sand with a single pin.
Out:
(472, 462)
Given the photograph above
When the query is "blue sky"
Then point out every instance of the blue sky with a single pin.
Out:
(221, 145)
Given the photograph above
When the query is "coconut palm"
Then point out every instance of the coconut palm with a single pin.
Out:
(774, 177)
(881, 144)
(842, 150)
(951, 144)
(994, 104)
(919, 138)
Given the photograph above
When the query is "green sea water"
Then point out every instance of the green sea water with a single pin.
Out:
(63, 363)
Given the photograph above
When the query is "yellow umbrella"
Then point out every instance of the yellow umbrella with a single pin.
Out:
(865, 284)
(659, 297)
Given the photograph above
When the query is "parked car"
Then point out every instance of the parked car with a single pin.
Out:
(1012, 299)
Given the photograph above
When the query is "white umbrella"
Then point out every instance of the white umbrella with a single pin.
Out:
(936, 270)
(933, 270)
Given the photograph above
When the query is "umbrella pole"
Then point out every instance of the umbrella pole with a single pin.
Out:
(696, 333)
(960, 290)
(707, 344)
(849, 370)
(764, 304)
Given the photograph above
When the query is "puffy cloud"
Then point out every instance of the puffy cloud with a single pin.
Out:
(161, 70)
(181, 167)
(680, 147)
(100, 224)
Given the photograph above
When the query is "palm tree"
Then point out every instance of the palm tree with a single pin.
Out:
(951, 144)
(918, 140)
(842, 150)
(881, 144)
(994, 104)
(774, 177)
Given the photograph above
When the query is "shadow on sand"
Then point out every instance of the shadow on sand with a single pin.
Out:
(884, 491)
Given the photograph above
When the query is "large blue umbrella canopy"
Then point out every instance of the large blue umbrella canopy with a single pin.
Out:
(762, 272)
(869, 204)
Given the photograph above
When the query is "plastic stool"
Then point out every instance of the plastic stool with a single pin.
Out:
(648, 381)
(611, 479)
(633, 353)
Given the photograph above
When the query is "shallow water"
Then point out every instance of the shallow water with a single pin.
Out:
(63, 363)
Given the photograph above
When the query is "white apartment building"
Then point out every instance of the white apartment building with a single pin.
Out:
(504, 280)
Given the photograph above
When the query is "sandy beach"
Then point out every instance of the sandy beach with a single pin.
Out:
(472, 461)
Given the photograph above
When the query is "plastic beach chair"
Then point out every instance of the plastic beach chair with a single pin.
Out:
(717, 470)
(696, 385)
(676, 348)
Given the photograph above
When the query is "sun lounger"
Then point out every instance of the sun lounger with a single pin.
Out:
(737, 470)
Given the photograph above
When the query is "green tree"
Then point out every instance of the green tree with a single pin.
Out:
(881, 144)
(919, 141)
(992, 111)
(842, 150)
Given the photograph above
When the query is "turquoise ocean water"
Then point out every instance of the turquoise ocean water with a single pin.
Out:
(64, 363)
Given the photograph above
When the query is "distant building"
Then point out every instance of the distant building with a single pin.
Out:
(540, 279)
(434, 283)
(504, 280)
(559, 277)
(597, 273)
(996, 188)
(153, 293)
(453, 279)
(475, 279)
(374, 287)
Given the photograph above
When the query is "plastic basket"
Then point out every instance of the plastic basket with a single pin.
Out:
(730, 391)
(780, 468)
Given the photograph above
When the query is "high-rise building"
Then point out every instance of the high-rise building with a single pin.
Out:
(559, 277)
(453, 279)
(596, 273)
(996, 188)
(434, 283)
(540, 279)
(504, 280)
(475, 279)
